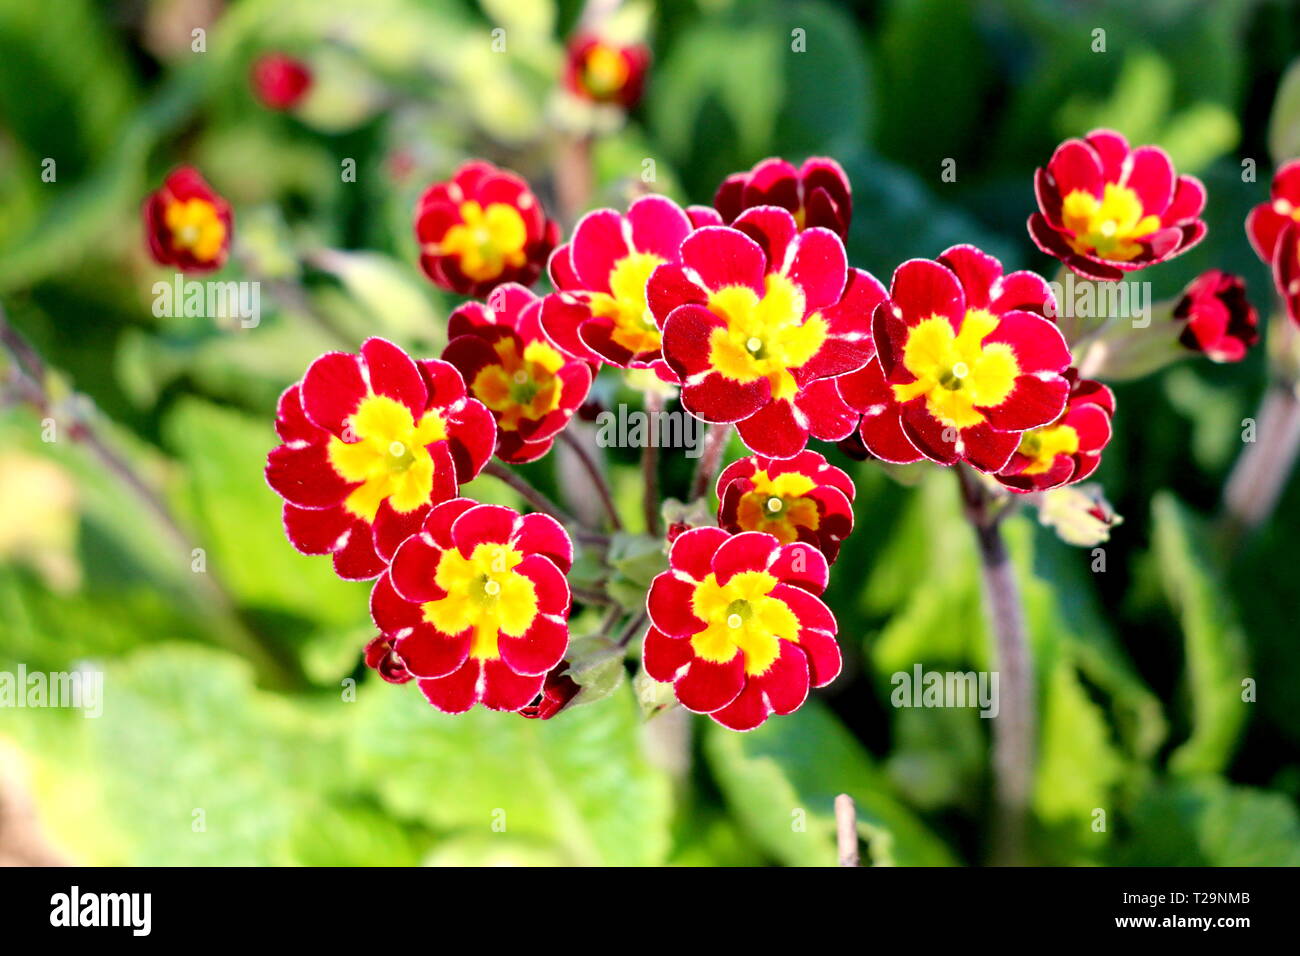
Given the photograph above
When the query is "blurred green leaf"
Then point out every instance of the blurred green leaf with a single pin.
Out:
(237, 518)
(579, 782)
(1208, 822)
(1213, 641)
(188, 764)
(781, 781)
(1284, 124)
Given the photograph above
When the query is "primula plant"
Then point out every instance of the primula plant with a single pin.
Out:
(658, 423)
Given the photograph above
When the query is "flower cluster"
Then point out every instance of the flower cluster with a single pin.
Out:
(751, 311)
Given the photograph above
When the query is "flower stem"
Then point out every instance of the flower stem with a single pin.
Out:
(590, 597)
(706, 469)
(1014, 726)
(1264, 466)
(530, 494)
(597, 477)
(846, 830)
(654, 405)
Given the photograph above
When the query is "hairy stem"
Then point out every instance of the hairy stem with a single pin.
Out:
(596, 475)
(539, 501)
(654, 404)
(1262, 470)
(706, 469)
(1014, 726)
(846, 830)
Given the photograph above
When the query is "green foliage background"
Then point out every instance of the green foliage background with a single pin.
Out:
(1139, 668)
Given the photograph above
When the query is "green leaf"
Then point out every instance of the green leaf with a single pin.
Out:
(189, 764)
(1284, 124)
(579, 783)
(1209, 822)
(1213, 641)
(237, 519)
(596, 665)
(781, 781)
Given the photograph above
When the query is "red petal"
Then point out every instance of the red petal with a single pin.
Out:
(598, 243)
(658, 226)
(722, 256)
(669, 604)
(540, 648)
(413, 570)
(777, 430)
(332, 389)
(393, 373)
(389, 610)
(429, 653)
(542, 534)
(747, 551)
(664, 656)
(707, 686)
(316, 530)
(303, 475)
(548, 584)
(819, 266)
(692, 552)
(358, 560)
(503, 689)
(457, 692)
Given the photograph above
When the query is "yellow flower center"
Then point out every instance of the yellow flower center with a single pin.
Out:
(521, 386)
(1110, 228)
(764, 338)
(604, 72)
(485, 592)
(625, 305)
(778, 506)
(486, 241)
(1044, 444)
(195, 226)
(957, 372)
(388, 457)
(742, 618)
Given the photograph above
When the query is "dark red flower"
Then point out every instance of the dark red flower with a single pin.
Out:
(604, 72)
(738, 627)
(1106, 209)
(371, 442)
(187, 224)
(816, 193)
(381, 658)
(531, 388)
(758, 318)
(482, 228)
(477, 606)
(556, 693)
(280, 81)
(966, 363)
(803, 498)
(1067, 450)
(1220, 321)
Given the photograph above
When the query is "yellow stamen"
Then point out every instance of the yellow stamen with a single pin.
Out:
(767, 337)
(389, 457)
(487, 241)
(742, 618)
(957, 372)
(1111, 228)
(485, 593)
